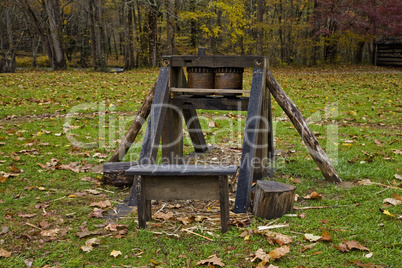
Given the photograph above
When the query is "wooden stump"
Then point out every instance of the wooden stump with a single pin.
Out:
(273, 199)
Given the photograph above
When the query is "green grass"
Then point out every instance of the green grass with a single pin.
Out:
(355, 111)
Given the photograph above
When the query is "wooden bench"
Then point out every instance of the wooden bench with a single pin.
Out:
(181, 182)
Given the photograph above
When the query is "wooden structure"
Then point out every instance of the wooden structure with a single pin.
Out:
(388, 52)
(174, 100)
(179, 182)
(273, 199)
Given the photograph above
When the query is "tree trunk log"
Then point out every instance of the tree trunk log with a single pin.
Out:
(273, 199)
(135, 127)
(294, 114)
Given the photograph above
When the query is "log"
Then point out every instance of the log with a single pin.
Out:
(113, 173)
(135, 127)
(273, 199)
(295, 116)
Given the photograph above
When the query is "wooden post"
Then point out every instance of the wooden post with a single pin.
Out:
(294, 114)
(135, 127)
(248, 156)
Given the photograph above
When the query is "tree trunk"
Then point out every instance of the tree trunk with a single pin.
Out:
(53, 14)
(359, 52)
(11, 53)
(260, 20)
(171, 22)
(152, 36)
(129, 42)
(98, 43)
(294, 114)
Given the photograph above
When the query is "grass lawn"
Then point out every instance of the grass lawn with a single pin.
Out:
(57, 128)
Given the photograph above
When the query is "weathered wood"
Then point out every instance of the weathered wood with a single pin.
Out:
(273, 199)
(134, 128)
(194, 128)
(210, 91)
(388, 53)
(172, 133)
(246, 171)
(114, 173)
(153, 133)
(178, 182)
(182, 170)
(213, 103)
(214, 61)
(224, 202)
(295, 116)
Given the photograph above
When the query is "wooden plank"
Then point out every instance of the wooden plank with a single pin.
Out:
(141, 208)
(246, 172)
(210, 91)
(295, 116)
(110, 167)
(182, 170)
(213, 103)
(273, 199)
(153, 133)
(224, 202)
(260, 168)
(214, 61)
(181, 187)
(172, 133)
(194, 128)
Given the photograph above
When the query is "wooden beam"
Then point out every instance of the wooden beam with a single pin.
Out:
(153, 133)
(294, 114)
(246, 171)
(194, 128)
(214, 61)
(213, 103)
(210, 91)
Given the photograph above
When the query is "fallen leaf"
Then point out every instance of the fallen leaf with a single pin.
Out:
(26, 215)
(325, 236)
(86, 248)
(92, 241)
(163, 216)
(342, 247)
(365, 182)
(392, 201)
(311, 237)
(91, 191)
(313, 195)
(396, 196)
(211, 124)
(302, 215)
(213, 260)
(115, 253)
(101, 204)
(355, 245)
(277, 238)
(307, 247)
(278, 252)
(97, 213)
(316, 253)
(397, 176)
(4, 253)
(51, 232)
(369, 255)
(185, 220)
(386, 212)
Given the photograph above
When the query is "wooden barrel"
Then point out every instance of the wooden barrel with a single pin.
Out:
(229, 78)
(200, 77)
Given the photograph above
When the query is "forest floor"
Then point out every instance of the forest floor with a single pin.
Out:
(57, 128)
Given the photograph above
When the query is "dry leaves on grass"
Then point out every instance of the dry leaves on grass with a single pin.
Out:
(89, 244)
(4, 253)
(211, 261)
(349, 245)
(313, 195)
(101, 204)
(115, 253)
(272, 255)
(395, 200)
(163, 216)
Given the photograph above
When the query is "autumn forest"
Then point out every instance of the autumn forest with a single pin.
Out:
(135, 33)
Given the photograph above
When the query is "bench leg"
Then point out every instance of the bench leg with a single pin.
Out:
(224, 202)
(141, 203)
